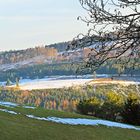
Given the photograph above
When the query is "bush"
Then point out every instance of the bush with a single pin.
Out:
(113, 107)
(90, 106)
(131, 110)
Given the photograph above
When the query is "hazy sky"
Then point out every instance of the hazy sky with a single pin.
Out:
(29, 23)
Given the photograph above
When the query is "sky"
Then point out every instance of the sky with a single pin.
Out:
(30, 23)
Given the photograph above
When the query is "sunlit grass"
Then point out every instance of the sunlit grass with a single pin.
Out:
(19, 127)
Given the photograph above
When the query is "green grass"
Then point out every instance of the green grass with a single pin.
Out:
(41, 112)
(19, 127)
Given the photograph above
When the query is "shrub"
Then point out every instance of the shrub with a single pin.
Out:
(131, 110)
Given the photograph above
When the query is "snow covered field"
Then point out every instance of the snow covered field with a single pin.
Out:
(120, 82)
(51, 84)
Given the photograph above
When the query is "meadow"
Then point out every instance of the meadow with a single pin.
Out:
(20, 127)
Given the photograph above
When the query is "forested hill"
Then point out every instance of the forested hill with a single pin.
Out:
(31, 56)
(62, 46)
(49, 60)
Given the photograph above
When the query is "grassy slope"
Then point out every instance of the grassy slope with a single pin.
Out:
(19, 127)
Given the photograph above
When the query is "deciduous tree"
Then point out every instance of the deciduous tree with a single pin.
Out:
(114, 31)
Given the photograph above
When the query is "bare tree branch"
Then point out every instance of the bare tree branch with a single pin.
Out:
(114, 30)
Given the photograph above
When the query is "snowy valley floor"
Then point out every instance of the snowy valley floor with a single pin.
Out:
(65, 83)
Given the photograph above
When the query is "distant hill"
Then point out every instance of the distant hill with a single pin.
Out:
(31, 56)
(48, 54)
(62, 46)
(49, 60)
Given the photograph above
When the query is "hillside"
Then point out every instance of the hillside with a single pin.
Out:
(62, 46)
(65, 98)
(28, 57)
(20, 127)
(48, 51)
(52, 59)
(49, 54)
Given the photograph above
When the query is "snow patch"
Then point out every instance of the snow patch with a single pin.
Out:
(80, 121)
(7, 111)
(8, 104)
(29, 107)
(29, 62)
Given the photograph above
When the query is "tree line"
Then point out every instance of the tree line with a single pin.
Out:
(103, 101)
(42, 70)
(113, 108)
